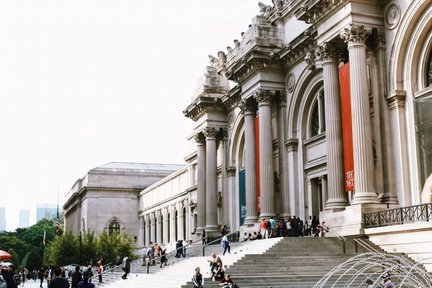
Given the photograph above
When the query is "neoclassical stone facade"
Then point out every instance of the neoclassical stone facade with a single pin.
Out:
(106, 198)
(269, 125)
(271, 133)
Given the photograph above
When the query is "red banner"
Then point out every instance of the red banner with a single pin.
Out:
(257, 163)
(345, 94)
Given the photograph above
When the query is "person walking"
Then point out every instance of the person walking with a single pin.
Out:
(100, 270)
(197, 278)
(163, 259)
(225, 245)
(125, 267)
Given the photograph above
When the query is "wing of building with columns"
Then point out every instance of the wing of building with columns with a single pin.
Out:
(320, 108)
(271, 128)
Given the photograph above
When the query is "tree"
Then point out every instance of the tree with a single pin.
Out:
(114, 246)
(63, 250)
(88, 247)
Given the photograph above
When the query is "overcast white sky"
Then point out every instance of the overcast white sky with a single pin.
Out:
(84, 83)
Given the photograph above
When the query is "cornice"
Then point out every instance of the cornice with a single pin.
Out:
(232, 98)
(299, 46)
(202, 105)
(314, 11)
(255, 60)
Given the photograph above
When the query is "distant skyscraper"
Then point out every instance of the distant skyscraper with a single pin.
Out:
(48, 211)
(24, 219)
(2, 219)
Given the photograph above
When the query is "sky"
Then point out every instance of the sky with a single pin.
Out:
(84, 83)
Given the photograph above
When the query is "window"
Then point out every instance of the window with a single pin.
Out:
(429, 71)
(114, 227)
(317, 116)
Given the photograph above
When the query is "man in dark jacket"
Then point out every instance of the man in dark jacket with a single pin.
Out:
(76, 277)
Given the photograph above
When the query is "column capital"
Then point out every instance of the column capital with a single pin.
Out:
(291, 144)
(199, 138)
(263, 97)
(232, 170)
(396, 99)
(248, 106)
(327, 53)
(210, 132)
(354, 34)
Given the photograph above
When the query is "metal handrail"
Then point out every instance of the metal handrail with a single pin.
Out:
(171, 252)
(365, 245)
(218, 239)
(339, 237)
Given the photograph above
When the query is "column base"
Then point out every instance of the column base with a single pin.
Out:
(388, 198)
(211, 228)
(266, 215)
(365, 198)
(336, 204)
(250, 221)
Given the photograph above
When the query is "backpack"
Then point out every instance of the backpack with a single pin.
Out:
(16, 280)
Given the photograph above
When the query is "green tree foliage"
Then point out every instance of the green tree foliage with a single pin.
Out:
(114, 246)
(63, 250)
(88, 247)
(34, 234)
(15, 246)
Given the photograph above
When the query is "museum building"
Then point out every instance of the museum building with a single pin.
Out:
(318, 108)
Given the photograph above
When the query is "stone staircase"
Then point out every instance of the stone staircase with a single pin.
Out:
(292, 262)
(278, 262)
(180, 271)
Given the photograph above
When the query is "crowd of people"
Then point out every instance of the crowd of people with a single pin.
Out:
(293, 227)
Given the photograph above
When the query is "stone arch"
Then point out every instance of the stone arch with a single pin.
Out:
(236, 141)
(408, 62)
(411, 41)
(300, 99)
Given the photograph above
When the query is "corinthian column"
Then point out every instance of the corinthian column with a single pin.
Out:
(248, 108)
(266, 154)
(364, 185)
(333, 119)
(201, 181)
(211, 180)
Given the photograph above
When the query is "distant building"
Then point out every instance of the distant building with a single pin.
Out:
(2, 218)
(24, 219)
(107, 197)
(48, 211)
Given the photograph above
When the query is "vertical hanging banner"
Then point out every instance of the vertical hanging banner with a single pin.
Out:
(242, 196)
(257, 163)
(345, 94)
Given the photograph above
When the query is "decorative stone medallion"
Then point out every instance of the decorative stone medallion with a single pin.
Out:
(290, 82)
(392, 15)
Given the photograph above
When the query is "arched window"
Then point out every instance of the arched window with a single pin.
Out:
(317, 116)
(114, 227)
(176, 216)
